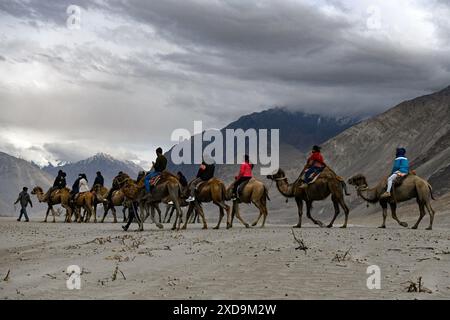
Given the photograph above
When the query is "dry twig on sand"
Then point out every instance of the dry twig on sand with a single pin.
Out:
(417, 287)
(341, 257)
(7, 275)
(114, 275)
(300, 242)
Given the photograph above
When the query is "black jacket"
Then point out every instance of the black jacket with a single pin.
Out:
(183, 181)
(60, 182)
(99, 180)
(76, 186)
(207, 173)
(24, 199)
(160, 164)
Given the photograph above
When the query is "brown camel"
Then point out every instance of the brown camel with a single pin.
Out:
(84, 200)
(61, 197)
(411, 187)
(327, 183)
(117, 200)
(167, 187)
(213, 191)
(254, 192)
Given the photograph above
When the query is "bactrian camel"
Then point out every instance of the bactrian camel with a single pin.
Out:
(411, 187)
(85, 201)
(61, 197)
(167, 187)
(213, 191)
(254, 192)
(327, 183)
(117, 200)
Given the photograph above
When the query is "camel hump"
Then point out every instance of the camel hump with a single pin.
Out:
(168, 175)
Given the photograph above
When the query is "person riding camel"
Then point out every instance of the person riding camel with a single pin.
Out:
(84, 186)
(314, 165)
(158, 167)
(76, 187)
(58, 184)
(205, 173)
(99, 180)
(245, 174)
(182, 179)
(115, 185)
(399, 169)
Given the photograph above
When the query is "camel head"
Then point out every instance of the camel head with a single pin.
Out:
(37, 190)
(359, 181)
(277, 176)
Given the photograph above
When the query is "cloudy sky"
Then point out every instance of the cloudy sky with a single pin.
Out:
(135, 70)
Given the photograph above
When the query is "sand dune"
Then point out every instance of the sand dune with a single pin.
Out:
(225, 264)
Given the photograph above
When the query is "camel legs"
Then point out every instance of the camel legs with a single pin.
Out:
(431, 213)
(422, 214)
(68, 218)
(172, 210)
(300, 212)
(308, 214)
(152, 215)
(222, 208)
(394, 215)
(46, 214)
(53, 214)
(384, 207)
(336, 211)
(262, 213)
(238, 215)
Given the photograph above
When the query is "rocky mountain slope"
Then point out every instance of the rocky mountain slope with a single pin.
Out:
(14, 175)
(421, 125)
(298, 132)
(108, 165)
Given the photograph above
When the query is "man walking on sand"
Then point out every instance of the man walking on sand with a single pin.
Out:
(24, 199)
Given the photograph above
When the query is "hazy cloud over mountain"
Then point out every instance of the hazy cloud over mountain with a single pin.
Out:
(136, 70)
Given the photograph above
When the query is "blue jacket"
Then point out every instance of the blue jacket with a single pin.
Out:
(401, 164)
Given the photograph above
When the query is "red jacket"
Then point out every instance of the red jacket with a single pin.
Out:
(245, 171)
(316, 160)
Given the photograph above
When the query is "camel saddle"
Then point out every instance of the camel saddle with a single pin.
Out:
(242, 186)
(154, 181)
(399, 180)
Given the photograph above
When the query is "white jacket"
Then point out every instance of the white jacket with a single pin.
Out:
(84, 187)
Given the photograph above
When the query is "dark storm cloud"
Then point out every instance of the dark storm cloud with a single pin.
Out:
(139, 63)
(282, 41)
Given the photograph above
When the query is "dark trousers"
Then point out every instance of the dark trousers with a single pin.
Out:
(238, 183)
(23, 212)
(311, 173)
(193, 186)
(132, 215)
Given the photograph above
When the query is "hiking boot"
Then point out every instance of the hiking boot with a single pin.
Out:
(190, 199)
(18, 220)
(385, 195)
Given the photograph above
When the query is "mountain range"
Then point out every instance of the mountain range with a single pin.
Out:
(14, 175)
(350, 146)
(108, 165)
(298, 131)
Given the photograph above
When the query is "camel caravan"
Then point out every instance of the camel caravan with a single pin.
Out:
(142, 197)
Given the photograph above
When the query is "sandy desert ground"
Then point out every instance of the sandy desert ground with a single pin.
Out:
(226, 264)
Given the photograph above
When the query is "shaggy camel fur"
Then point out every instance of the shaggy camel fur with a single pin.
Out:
(327, 183)
(254, 192)
(411, 187)
(214, 191)
(61, 197)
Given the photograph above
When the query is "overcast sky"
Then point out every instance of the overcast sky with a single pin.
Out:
(136, 70)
